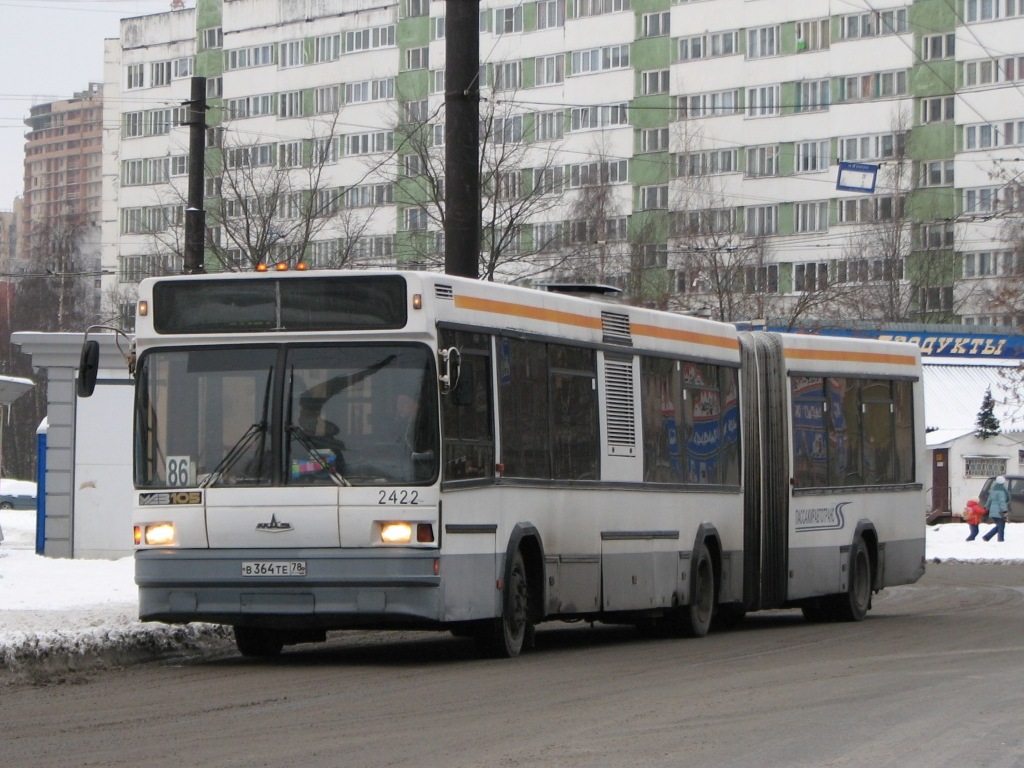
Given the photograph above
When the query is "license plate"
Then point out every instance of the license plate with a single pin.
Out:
(274, 568)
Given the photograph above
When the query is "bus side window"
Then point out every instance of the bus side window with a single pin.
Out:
(467, 413)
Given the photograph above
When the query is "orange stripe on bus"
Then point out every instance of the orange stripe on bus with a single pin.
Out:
(850, 357)
(522, 310)
(690, 337)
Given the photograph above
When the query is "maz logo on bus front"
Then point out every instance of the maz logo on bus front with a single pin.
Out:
(273, 526)
(180, 497)
(822, 518)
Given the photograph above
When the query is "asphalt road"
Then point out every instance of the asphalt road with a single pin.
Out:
(933, 677)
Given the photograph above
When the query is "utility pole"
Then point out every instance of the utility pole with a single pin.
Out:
(462, 138)
(195, 215)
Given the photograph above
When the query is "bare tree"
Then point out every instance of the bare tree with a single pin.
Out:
(518, 182)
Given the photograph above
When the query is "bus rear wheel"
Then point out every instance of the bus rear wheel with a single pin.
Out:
(258, 642)
(508, 634)
(694, 619)
(854, 604)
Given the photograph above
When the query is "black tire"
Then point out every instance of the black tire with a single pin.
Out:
(695, 619)
(257, 642)
(6, 505)
(510, 633)
(854, 604)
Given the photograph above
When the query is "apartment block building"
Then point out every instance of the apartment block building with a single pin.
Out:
(62, 198)
(688, 151)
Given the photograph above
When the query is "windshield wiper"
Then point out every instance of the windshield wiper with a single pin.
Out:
(233, 455)
(259, 429)
(316, 454)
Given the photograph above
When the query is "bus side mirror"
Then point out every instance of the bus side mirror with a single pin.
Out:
(463, 392)
(88, 368)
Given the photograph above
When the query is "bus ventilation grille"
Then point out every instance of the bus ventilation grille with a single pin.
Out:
(615, 328)
(445, 292)
(621, 422)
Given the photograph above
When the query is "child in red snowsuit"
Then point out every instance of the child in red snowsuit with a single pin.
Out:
(973, 515)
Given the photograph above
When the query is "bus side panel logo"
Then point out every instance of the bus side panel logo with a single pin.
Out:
(822, 518)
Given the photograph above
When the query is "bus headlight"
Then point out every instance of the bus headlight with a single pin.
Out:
(395, 533)
(159, 534)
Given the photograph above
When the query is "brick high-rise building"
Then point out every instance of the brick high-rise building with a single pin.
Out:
(63, 180)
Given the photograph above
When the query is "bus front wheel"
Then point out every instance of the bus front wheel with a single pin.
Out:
(510, 632)
(257, 642)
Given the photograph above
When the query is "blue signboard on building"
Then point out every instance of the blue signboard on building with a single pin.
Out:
(857, 177)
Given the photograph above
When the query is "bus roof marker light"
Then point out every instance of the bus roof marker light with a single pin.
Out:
(281, 266)
(261, 267)
(302, 266)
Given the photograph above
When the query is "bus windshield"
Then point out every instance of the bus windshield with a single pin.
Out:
(339, 414)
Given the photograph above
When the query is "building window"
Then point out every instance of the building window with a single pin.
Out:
(327, 48)
(213, 38)
(762, 220)
(812, 217)
(508, 130)
(654, 140)
(763, 161)
(550, 14)
(808, 278)
(508, 75)
(812, 96)
(417, 58)
(290, 104)
(762, 41)
(937, 173)
(600, 59)
(708, 162)
(935, 47)
(656, 24)
(327, 99)
(763, 101)
(708, 104)
(508, 20)
(872, 147)
(133, 124)
(160, 73)
(812, 35)
(417, 8)
(135, 76)
(812, 156)
(550, 69)
(550, 125)
(291, 54)
(654, 197)
(416, 218)
(289, 154)
(655, 81)
(936, 109)
(984, 466)
(598, 7)
(368, 39)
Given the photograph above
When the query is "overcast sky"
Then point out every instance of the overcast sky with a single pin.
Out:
(51, 49)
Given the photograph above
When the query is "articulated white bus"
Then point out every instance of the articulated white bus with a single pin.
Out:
(330, 450)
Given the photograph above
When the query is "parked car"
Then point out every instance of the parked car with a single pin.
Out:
(9, 501)
(17, 494)
(1016, 487)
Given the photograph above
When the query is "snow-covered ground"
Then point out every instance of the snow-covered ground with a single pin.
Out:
(60, 615)
(56, 614)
